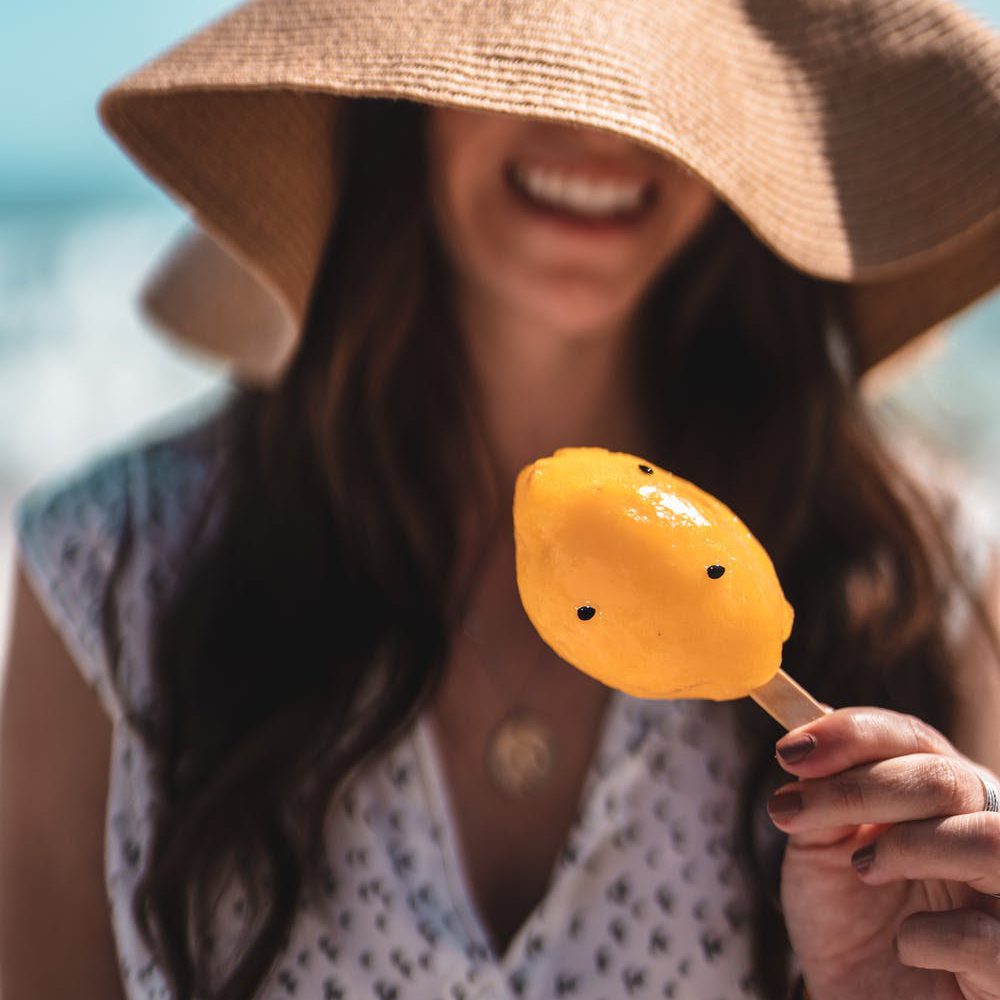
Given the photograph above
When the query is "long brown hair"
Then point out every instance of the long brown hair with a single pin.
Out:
(308, 632)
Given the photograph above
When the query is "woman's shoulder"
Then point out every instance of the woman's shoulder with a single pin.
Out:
(98, 539)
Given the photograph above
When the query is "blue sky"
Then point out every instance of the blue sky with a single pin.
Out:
(56, 56)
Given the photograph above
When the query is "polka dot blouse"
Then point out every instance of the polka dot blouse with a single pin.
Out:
(644, 901)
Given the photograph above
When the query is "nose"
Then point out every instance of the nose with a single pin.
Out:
(606, 146)
(604, 142)
(594, 139)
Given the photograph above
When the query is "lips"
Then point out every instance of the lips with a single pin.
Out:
(589, 170)
(624, 219)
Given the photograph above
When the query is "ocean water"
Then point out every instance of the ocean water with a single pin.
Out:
(80, 369)
(77, 362)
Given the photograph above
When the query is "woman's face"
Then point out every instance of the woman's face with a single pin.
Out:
(551, 268)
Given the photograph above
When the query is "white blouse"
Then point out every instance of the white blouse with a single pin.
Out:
(645, 900)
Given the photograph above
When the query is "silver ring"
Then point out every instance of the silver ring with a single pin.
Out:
(992, 794)
(992, 804)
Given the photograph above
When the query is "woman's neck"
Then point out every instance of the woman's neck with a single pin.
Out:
(542, 389)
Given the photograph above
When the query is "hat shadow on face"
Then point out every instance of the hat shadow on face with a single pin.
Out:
(486, 218)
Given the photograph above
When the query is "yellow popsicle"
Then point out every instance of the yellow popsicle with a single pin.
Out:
(649, 584)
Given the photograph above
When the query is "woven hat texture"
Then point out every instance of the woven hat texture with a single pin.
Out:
(859, 139)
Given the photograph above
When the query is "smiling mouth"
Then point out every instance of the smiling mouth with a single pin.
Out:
(613, 221)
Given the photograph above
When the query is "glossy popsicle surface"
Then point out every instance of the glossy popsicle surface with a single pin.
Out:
(644, 581)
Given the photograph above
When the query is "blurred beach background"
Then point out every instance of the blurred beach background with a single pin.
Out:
(80, 370)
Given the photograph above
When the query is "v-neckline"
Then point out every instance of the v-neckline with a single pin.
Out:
(456, 869)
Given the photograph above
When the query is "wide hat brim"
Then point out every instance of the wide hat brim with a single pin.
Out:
(858, 139)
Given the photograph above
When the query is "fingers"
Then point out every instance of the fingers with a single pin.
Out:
(959, 848)
(915, 787)
(966, 942)
(852, 736)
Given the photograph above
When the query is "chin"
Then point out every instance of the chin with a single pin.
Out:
(580, 316)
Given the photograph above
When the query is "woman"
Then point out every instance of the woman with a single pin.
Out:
(300, 613)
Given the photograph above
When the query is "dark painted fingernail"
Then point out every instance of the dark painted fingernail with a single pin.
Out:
(863, 858)
(794, 750)
(785, 805)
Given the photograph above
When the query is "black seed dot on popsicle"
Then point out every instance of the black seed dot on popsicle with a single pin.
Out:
(585, 612)
(646, 469)
(714, 572)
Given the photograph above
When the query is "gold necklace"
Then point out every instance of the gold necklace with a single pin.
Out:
(520, 750)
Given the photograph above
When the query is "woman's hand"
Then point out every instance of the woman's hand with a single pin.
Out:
(892, 861)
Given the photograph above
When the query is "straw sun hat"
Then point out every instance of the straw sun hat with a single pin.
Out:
(859, 139)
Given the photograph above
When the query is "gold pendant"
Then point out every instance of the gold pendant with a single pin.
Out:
(519, 754)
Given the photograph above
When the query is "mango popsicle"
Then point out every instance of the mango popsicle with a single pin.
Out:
(651, 585)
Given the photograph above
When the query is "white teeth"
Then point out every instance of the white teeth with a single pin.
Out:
(591, 198)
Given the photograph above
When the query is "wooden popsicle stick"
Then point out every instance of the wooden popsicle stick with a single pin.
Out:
(788, 702)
